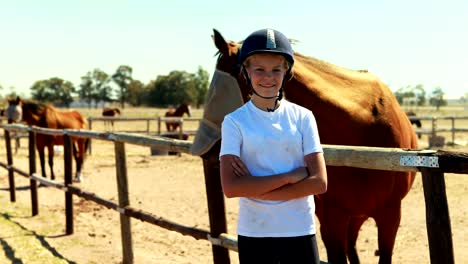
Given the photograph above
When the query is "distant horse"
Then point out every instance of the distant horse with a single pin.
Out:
(179, 112)
(415, 122)
(15, 117)
(351, 108)
(110, 112)
(42, 115)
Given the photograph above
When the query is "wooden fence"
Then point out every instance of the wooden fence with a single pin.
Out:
(157, 120)
(432, 164)
(435, 129)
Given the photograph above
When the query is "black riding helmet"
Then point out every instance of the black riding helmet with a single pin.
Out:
(266, 41)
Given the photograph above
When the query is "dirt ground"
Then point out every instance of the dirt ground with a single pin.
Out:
(172, 187)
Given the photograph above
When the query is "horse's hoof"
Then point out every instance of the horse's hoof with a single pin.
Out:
(76, 179)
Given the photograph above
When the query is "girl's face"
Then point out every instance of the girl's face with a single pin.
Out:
(266, 72)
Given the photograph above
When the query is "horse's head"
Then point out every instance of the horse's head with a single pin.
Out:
(14, 112)
(227, 61)
(186, 109)
(227, 92)
(117, 111)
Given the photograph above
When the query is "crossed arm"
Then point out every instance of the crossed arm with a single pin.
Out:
(237, 181)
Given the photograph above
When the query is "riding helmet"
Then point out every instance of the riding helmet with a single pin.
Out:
(266, 41)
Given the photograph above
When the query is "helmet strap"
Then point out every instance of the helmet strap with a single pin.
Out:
(278, 97)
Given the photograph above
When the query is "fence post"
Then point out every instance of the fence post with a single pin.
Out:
(215, 198)
(68, 171)
(32, 170)
(453, 130)
(159, 126)
(11, 179)
(90, 122)
(439, 231)
(433, 132)
(122, 188)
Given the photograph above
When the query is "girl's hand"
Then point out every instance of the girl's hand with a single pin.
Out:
(239, 168)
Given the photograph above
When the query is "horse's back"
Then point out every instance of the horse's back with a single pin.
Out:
(70, 119)
(354, 108)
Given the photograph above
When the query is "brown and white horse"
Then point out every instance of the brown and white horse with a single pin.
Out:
(351, 108)
(42, 115)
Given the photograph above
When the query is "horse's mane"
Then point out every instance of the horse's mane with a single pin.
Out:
(326, 67)
(311, 62)
(35, 107)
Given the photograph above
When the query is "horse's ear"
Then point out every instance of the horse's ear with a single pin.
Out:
(220, 43)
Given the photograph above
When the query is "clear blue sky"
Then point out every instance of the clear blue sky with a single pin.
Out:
(404, 42)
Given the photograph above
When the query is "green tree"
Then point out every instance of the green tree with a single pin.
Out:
(437, 98)
(404, 92)
(95, 87)
(136, 93)
(86, 89)
(54, 90)
(173, 89)
(420, 94)
(201, 86)
(123, 77)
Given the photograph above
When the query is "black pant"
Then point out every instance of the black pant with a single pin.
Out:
(278, 250)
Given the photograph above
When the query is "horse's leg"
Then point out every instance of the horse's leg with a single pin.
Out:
(50, 150)
(168, 127)
(354, 226)
(17, 142)
(40, 150)
(388, 220)
(333, 229)
(79, 150)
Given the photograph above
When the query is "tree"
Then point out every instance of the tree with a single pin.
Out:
(122, 77)
(173, 89)
(404, 92)
(95, 87)
(437, 98)
(411, 95)
(136, 93)
(86, 89)
(420, 94)
(201, 86)
(54, 90)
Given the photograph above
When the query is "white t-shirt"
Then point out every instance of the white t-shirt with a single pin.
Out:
(272, 143)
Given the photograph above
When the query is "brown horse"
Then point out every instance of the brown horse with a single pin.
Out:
(415, 122)
(351, 108)
(41, 115)
(179, 112)
(111, 112)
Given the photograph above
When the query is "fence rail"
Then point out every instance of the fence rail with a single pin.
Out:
(432, 164)
(432, 132)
